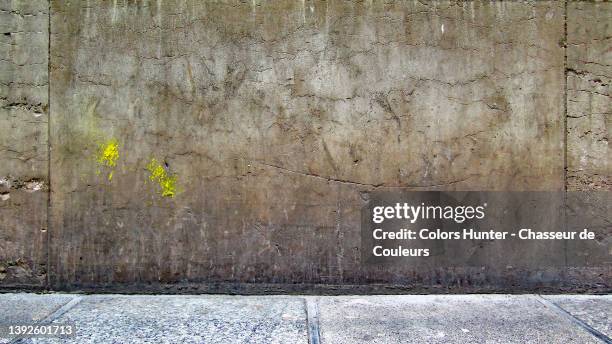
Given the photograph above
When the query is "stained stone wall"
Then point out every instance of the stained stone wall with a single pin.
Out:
(203, 146)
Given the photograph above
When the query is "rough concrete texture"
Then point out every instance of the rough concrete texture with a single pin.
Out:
(588, 116)
(273, 319)
(176, 319)
(447, 319)
(198, 143)
(277, 119)
(28, 309)
(589, 109)
(24, 41)
(595, 311)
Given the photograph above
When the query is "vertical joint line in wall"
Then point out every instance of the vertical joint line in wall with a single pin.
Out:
(565, 74)
(565, 139)
(48, 237)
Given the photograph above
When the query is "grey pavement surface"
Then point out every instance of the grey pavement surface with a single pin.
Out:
(314, 319)
(29, 308)
(445, 319)
(595, 311)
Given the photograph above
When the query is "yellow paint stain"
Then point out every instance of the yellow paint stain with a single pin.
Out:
(108, 155)
(159, 175)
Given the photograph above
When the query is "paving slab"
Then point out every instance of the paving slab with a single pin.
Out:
(21, 309)
(325, 319)
(595, 311)
(444, 319)
(185, 319)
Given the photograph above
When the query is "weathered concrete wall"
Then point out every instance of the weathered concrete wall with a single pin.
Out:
(277, 119)
(588, 117)
(589, 107)
(24, 42)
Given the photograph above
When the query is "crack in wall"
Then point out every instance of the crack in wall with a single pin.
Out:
(355, 183)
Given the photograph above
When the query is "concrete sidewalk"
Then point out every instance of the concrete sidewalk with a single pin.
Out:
(312, 319)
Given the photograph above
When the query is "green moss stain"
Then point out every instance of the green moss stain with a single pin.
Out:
(166, 181)
(108, 155)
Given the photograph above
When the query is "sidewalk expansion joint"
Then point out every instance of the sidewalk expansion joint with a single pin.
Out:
(567, 315)
(312, 319)
(53, 316)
